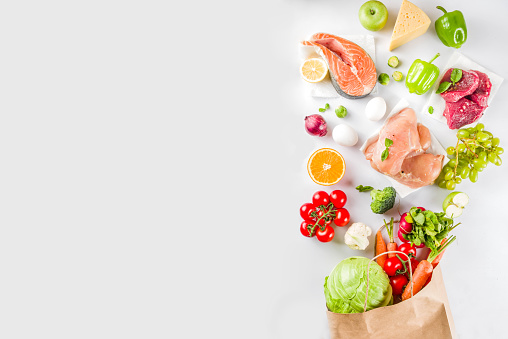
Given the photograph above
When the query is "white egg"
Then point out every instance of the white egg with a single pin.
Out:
(375, 109)
(345, 135)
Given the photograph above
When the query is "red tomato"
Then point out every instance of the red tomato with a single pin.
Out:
(392, 265)
(338, 198)
(398, 282)
(320, 198)
(342, 217)
(407, 248)
(303, 228)
(326, 235)
(305, 211)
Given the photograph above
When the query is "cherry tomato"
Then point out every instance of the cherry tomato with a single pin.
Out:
(342, 217)
(305, 211)
(338, 198)
(407, 248)
(320, 198)
(392, 265)
(398, 282)
(326, 235)
(303, 228)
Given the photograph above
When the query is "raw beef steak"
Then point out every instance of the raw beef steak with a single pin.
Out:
(481, 94)
(466, 85)
(462, 112)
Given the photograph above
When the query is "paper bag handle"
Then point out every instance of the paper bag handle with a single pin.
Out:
(368, 272)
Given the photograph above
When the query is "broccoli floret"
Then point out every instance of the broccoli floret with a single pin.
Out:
(383, 200)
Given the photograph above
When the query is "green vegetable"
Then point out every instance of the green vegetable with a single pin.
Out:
(345, 287)
(386, 152)
(384, 79)
(397, 76)
(431, 109)
(393, 61)
(421, 76)
(341, 111)
(443, 87)
(451, 28)
(327, 106)
(362, 188)
(382, 201)
(429, 228)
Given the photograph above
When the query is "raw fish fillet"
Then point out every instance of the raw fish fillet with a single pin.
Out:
(352, 70)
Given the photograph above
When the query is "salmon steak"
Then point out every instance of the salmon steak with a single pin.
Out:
(352, 70)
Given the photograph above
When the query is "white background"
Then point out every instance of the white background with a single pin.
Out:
(153, 163)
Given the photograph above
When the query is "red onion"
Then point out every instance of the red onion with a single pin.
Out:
(315, 125)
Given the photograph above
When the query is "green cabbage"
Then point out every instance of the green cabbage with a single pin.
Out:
(346, 286)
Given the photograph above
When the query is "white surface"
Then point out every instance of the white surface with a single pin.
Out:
(153, 161)
(458, 60)
(435, 148)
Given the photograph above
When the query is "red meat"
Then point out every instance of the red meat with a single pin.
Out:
(462, 112)
(465, 86)
(481, 94)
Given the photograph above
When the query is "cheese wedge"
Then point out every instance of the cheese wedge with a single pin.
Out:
(411, 23)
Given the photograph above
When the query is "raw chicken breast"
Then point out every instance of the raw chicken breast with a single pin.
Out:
(402, 130)
(420, 170)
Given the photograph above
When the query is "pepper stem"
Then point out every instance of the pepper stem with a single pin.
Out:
(441, 8)
(434, 58)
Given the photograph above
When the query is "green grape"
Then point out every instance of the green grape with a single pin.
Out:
(478, 164)
(452, 163)
(487, 144)
(490, 134)
(442, 183)
(458, 180)
(473, 175)
(479, 127)
(492, 157)
(495, 142)
(462, 134)
(447, 169)
(450, 150)
(483, 156)
(449, 175)
(482, 137)
(450, 185)
(471, 130)
(461, 148)
(499, 150)
(463, 162)
(464, 173)
(498, 161)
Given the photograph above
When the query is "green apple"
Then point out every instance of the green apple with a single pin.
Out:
(373, 15)
(454, 204)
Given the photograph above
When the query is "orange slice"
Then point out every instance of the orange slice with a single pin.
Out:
(314, 70)
(326, 166)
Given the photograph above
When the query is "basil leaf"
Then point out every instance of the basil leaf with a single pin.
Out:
(388, 142)
(341, 112)
(456, 75)
(385, 154)
(362, 188)
(443, 87)
(322, 110)
(431, 109)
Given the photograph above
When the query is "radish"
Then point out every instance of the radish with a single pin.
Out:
(454, 204)
(400, 234)
(404, 226)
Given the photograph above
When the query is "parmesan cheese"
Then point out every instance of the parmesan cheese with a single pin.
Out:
(411, 23)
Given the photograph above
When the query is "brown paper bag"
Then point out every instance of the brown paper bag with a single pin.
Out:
(425, 315)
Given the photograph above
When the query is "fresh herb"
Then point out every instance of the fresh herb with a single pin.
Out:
(341, 111)
(431, 109)
(397, 76)
(443, 87)
(386, 152)
(384, 79)
(362, 188)
(429, 228)
(456, 75)
(327, 106)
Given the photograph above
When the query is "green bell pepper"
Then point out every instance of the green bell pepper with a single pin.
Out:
(451, 28)
(421, 76)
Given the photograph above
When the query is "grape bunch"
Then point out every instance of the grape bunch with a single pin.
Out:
(474, 150)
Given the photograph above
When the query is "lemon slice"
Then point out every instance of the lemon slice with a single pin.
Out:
(314, 70)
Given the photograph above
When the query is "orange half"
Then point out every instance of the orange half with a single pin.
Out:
(326, 166)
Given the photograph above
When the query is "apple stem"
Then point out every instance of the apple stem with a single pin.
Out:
(372, 12)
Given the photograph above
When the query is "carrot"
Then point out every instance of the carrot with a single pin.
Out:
(438, 258)
(392, 246)
(424, 270)
(380, 248)
(420, 277)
